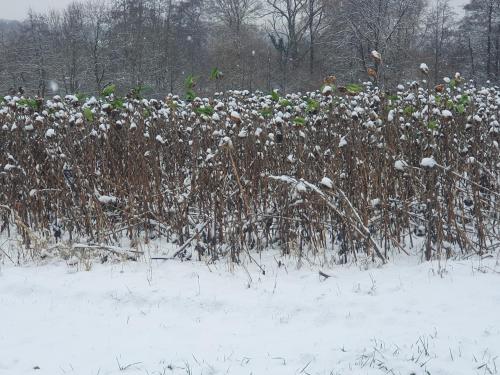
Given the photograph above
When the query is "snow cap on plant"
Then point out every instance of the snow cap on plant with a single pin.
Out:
(327, 90)
(428, 163)
(446, 114)
(326, 182)
(424, 68)
(235, 116)
(376, 56)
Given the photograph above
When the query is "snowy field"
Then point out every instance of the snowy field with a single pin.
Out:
(190, 318)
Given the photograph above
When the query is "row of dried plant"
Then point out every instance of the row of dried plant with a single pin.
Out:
(330, 176)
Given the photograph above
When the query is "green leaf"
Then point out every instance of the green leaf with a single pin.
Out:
(312, 105)
(432, 125)
(354, 88)
(299, 121)
(190, 95)
(205, 110)
(267, 112)
(215, 74)
(117, 103)
(81, 97)
(30, 103)
(190, 82)
(139, 91)
(464, 99)
(89, 116)
(275, 96)
(408, 111)
(108, 90)
(285, 103)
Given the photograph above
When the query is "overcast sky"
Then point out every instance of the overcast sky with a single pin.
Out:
(457, 3)
(17, 9)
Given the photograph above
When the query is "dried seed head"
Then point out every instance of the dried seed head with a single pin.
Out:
(330, 80)
(372, 72)
(439, 88)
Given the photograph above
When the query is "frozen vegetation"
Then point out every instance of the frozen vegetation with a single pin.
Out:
(330, 176)
(348, 230)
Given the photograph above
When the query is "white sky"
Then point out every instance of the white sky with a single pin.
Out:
(457, 3)
(17, 9)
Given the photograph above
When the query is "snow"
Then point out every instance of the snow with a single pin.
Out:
(71, 98)
(410, 97)
(327, 90)
(376, 55)
(235, 116)
(301, 187)
(390, 116)
(424, 68)
(50, 133)
(400, 165)
(326, 182)
(181, 318)
(106, 199)
(428, 163)
(227, 141)
(446, 114)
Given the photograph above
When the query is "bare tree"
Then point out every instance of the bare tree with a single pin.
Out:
(37, 28)
(287, 28)
(387, 26)
(235, 14)
(156, 44)
(439, 28)
(71, 31)
(234, 20)
(483, 24)
(315, 16)
(96, 19)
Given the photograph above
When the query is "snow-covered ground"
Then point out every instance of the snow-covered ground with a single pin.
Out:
(190, 318)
